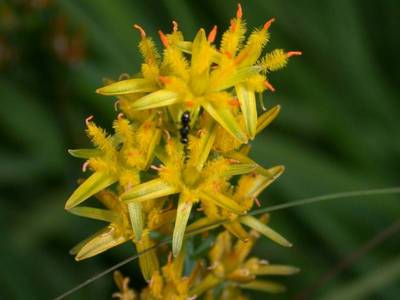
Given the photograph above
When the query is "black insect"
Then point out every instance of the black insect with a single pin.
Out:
(185, 120)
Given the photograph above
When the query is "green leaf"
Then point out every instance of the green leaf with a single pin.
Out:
(182, 217)
(275, 270)
(84, 153)
(97, 182)
(129, 86)
(265, 230)
(225, 118)
(95, 213)
(369, 283)
(264, 286)
(152, 189)
(247, 100)
(157, 99)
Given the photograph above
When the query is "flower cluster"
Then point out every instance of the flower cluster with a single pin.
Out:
(181, 142)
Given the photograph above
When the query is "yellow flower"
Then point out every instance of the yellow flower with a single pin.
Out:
(193, 176)
(179, 142)
(215, 79)
(229, 264)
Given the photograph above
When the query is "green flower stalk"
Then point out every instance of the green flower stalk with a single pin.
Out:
(180, 142)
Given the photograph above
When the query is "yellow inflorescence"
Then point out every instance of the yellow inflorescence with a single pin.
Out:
(177, 164)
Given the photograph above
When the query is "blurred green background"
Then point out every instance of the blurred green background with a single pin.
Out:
(338, 131)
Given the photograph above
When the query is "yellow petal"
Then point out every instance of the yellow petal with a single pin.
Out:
(261, 182)
(264, 286)
(155, 140)
(136, 218)
(95, 213)
(222, 201)
(84, 153)
(270, 174)
(265, 230)
(238, 169)
(234, 78)
(157, 99)
(247, 100)
(201, 225)
(129, 86)
(237, 230)
(148, 261)
(100, 242)
(226, 119)
(97, 182)
(152, 189)
(266, 118)
(182, 217)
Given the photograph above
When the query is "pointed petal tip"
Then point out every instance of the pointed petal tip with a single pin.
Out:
(268, 23)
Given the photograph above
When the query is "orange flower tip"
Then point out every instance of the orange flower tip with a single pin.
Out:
(239, 12)
(174, 26)
(164, 39)
(269, 86)
(164, 79)
(85, 166)
(88, 120)
(200, 208)
(294, 53)
(268, 23)
(141, 30)
(213, 34)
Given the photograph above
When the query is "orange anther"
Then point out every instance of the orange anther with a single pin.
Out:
(142, 32)
(233, 25)
(164, 79)
(234, 102)
(293, 53)
(257, 202)
(239, 12)
(189, 103)
(228, 54)
(164, 39)
(269, 86)
(88, 120)
(213, 34)
(268, 23)
(174, 26)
